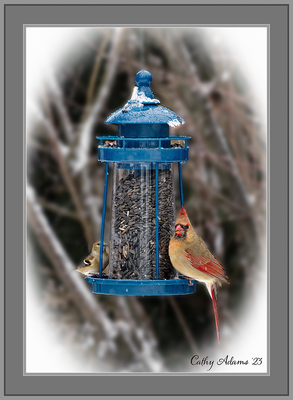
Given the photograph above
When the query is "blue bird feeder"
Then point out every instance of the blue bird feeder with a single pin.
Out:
(143, 197)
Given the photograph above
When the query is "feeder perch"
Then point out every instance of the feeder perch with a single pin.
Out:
(143, 197)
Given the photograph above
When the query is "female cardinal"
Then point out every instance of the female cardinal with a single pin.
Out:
(191, 257)
(91, 263)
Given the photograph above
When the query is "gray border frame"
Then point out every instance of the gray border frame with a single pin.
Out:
(178, 373)
(14, 17)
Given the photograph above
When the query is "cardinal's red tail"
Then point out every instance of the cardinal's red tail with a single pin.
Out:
(212, 291)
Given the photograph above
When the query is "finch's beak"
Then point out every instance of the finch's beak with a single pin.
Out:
(179, 230)
(79, 268)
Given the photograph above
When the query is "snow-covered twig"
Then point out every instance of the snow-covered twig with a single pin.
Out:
(145, 352)
(216, 129)
(183, 324)
(57, 98)
(64, 267)
(57, 209)
(64, 170)
(93, 111)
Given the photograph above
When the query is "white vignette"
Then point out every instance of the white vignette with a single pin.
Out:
(248, 43)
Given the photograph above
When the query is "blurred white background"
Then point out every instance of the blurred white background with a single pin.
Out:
(44, 353)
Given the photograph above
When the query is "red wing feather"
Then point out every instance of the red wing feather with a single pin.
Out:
(209, 266)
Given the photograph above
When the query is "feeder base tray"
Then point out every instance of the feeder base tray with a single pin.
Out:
(131, 287)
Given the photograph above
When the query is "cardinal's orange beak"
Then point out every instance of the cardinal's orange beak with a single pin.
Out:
(179, 230)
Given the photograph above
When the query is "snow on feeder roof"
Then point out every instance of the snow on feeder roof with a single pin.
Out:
(143, 108)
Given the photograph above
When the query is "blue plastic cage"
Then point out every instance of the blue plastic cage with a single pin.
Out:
(143, 140)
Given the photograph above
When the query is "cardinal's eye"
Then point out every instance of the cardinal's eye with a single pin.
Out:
(86, 262)
(186, 226)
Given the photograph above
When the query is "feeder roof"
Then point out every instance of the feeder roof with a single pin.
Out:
(143, 108)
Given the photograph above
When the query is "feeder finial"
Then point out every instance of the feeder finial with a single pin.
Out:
(143, 78)
(143, 109)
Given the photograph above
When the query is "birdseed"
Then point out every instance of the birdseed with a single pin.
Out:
(133, 226)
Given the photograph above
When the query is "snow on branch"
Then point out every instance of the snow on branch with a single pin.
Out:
(93, 111)
(145, 351)
(57, 97)
(64, 267)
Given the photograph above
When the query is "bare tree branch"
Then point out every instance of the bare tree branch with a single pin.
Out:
(57, 98)
(64, 170)
(93, 112)
(146, 343)
(91, 115)
(83, 299)
(88, 305)
(55, 208)
(183, 324)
